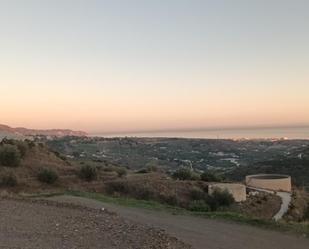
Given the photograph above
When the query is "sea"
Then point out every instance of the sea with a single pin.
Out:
(245, 133)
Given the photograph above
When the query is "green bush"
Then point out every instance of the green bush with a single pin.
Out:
(30, 143)
(170, 199)
(183, 174)
(88, 173)
(134, 190)
(199, 206)
(22, 147)
(121, 172)
(8, 180)
(142, 192)
(9, 155)
(219, 199)
(197, 194)
(208, 176)
(48, 176)
(149, 169)
(117, 187)
(152, 168)
(195, 176)
(142, 171)
(306, 214)
(108, 169)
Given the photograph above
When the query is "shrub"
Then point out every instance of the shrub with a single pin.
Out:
(219, 198)
(117, 186)
(8, 180)
(108, 169)
(135, 190)
(88, 173)
(197, 194)
(59, 155)
(121, 172)
(48, 176)
(152, 168)
(306, 214)
(183, 174)
(30, 143)
(199, 206)
(208, 176)
(195, 176)
(142, 171)
(149, 169)
(9, 155)
(169, 199)
(22, 147)
(142, 192)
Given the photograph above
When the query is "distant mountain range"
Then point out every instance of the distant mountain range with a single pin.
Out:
(20, 131)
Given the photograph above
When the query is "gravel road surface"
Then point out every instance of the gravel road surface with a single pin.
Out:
(26, 224)
(201, 233)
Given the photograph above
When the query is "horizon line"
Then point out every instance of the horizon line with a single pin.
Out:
(219, 128)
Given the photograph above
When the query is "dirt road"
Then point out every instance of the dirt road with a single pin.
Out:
(201, 233)
(26, 224)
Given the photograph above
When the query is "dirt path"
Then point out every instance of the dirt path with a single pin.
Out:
(199, 232)
(285, 201)
(41, 224)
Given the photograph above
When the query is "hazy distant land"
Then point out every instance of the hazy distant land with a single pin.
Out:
(233, 133)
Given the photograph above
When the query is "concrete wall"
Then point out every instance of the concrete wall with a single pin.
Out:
(237, 190)
(270, 182)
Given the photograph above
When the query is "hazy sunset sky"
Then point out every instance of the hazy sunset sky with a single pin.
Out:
(106, 66)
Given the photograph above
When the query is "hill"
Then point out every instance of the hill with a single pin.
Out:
(295, 164)
(22, 161)
(6, 130)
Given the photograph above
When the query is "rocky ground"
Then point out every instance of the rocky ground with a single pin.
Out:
(263, 206)
(46, 224)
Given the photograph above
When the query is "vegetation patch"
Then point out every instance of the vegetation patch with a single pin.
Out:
(306, 215)
(219, 199)
(121, 171)
(199, 206)
(88, 173)
(185, 174)
(149, 169)
(209, 176)
(8, 180)
(9, 155)
(48, 176)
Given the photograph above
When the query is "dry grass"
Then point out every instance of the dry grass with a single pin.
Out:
(262, 205)
(298, 207)
(155, 186)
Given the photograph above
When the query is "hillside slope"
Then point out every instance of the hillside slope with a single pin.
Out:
(20, 131)
(295, 164)
(22, 161)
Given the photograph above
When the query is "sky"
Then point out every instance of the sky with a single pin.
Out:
(111, 66)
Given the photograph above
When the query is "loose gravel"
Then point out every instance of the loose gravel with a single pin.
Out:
(50, 225)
